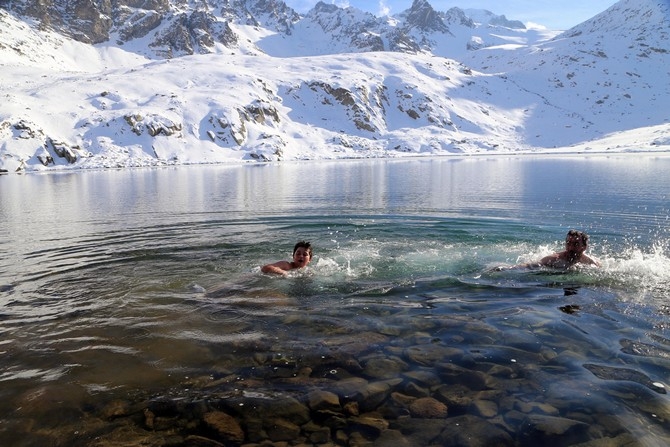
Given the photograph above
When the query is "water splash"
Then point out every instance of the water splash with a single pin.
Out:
(646, 272)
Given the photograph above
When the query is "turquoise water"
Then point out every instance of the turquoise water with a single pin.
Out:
(130, 284)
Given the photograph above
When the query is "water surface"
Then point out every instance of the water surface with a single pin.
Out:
(127, 285)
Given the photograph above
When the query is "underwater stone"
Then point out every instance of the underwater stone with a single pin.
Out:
(225, 425)
(323, 400)
(427, 407)
(551, 430)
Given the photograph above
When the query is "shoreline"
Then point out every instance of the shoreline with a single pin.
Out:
(561, 153)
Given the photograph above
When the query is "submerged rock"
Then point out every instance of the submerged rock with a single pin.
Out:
(427, 407)
(552, 430)
(323, 400)
(225, 425)
(471, 431)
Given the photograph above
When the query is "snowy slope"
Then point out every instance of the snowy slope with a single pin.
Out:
(222, 108)
(329, 94)
(610, 71)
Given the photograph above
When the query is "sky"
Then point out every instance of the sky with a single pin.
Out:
(552, 14)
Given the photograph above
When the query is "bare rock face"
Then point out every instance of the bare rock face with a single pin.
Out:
(273, 14)
(456, 16)
(174, 28)
(46, 148)
(422, 16)
(193, 32)
(144, 22)
(88, 21)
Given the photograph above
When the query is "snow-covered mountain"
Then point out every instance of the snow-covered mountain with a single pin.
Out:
(153, 82)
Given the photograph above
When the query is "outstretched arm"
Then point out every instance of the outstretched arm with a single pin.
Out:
(547, 261)
(589, 260)
(552, 260)
(279, 268)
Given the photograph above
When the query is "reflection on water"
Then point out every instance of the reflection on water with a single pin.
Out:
(121, 287)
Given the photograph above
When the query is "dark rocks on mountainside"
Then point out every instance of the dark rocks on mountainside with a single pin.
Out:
(361, 31)
(154, 125)
(83, 20)
(144, 22)
(399, 41)
(422, 16)
(184, 33)
(503, 21)
(176, 33)
(457, 16)
(192, 33)
(62, 150)
(45, 146)
(368, 41)
(272, 14)
(259, 111)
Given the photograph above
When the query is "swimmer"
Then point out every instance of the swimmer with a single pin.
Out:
(302, 255)
(576, 243)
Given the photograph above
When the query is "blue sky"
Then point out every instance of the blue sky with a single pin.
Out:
(556, 15)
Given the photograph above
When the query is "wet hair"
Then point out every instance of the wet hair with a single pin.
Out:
(580, 234)
(304, 244)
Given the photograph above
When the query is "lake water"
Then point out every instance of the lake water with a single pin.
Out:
(132, 304)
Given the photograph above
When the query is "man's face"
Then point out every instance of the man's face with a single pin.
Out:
(301, 257)
(575, 244)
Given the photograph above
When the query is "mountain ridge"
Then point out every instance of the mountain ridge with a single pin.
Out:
(334, 83)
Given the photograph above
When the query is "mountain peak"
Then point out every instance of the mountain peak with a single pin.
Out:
(422, 16)
(328, 8)
(486, 17)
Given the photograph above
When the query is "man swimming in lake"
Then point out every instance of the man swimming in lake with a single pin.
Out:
(302, 255)
(576, 243)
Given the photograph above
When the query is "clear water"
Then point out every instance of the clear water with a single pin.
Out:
(130, 283)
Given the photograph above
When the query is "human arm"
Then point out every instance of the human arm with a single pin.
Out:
(584, 259)
(547, 261)
(552, 260)
(278, 268)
